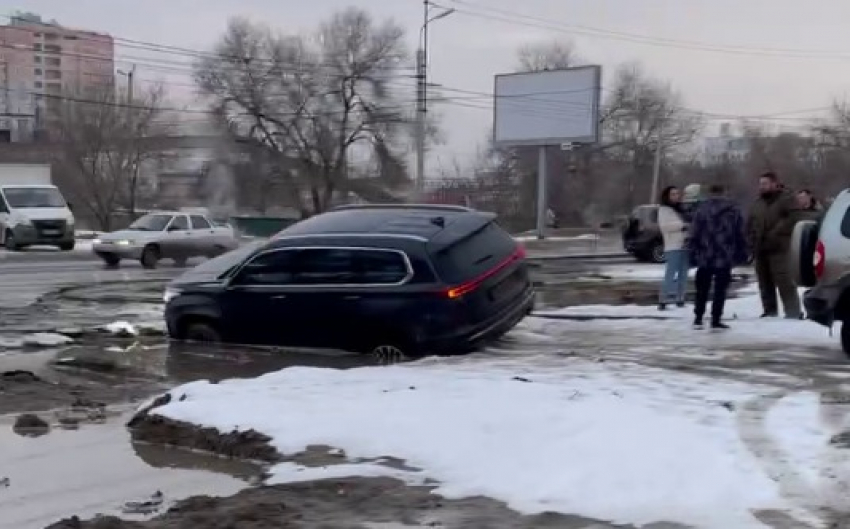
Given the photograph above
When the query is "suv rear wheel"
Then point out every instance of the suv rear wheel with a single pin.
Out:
(656, 253)
(803, 242)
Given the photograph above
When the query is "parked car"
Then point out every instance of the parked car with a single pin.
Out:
(385, 280)
(165, 235)
(820, 259)
(642, 236)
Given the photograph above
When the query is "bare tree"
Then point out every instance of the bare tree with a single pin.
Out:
(639, 113)
(549, 55)
(314, 105)
(105, 143)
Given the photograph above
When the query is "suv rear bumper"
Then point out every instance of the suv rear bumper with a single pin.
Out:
(470, 338)
(820, 303)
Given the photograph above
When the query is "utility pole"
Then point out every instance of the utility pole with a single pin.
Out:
(422, 91)
(656, 167)
(130, 84)
(420, 123)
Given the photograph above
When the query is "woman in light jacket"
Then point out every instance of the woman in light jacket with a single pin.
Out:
(674, 229)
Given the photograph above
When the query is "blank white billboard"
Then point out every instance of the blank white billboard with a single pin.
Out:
(551, 107)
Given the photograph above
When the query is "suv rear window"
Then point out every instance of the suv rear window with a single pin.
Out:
(474, 255)
(845, 224)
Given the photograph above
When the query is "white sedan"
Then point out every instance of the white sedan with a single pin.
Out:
(165, 235)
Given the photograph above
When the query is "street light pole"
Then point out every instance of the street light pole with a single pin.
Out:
(422, 91)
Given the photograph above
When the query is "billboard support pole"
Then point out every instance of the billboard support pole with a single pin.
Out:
(541, 191)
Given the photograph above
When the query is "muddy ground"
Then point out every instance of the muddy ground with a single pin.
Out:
(97, 371)
(352, 503)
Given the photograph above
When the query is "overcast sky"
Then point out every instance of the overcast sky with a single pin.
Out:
(738, 57)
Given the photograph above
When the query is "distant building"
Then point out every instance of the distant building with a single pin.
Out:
(724, 147)
(40, 61)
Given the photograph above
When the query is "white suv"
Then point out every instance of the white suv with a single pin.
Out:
(820, 259)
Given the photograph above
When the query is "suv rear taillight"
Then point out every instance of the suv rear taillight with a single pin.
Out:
(819, 259)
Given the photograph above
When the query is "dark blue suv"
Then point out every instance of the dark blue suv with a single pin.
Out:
(387, 280)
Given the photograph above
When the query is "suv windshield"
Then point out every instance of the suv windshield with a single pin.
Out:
(151, 223)
(33, 197)
(474, 255)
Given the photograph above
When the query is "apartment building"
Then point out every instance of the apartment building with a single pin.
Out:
(41, 61)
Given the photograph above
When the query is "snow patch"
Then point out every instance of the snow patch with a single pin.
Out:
(742, 314)
(579, 439)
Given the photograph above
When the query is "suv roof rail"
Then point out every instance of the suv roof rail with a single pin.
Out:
(430, 207)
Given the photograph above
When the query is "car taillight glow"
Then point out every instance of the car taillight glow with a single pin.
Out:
(819, 259)
(469, 286)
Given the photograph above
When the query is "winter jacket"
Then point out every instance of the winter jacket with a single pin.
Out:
(771, 223)
(717, 235)
(673, 228)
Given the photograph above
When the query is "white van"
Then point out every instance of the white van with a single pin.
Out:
(35, 215)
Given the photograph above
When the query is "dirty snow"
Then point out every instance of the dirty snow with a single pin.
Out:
(39, 339)
(121, 328)
(741, 313)
(628, 443)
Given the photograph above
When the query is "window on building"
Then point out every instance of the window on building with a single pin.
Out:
(37, 59)
(52, 48)
(53, 61)
(70, 37)
(50, 36)
(39, 84)
(39, 71)
(37, 47)
(53, 74)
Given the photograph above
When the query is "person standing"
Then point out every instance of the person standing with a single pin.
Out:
(674, 227)
(717, 243)
(770, 226)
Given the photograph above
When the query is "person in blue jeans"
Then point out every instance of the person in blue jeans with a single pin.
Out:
(673, 224)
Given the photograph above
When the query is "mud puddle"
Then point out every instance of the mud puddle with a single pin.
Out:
(97, 470)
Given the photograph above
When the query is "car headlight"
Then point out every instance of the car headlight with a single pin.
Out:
(170, 294)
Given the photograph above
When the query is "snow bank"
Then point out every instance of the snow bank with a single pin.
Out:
(582, 439)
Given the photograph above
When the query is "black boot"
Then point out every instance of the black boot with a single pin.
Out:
(718, 325)
(698, 322)
(662, 306)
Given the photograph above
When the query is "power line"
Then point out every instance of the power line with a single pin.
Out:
(511, 17)
(558, 108)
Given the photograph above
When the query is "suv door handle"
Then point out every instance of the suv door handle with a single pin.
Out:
(279, 297)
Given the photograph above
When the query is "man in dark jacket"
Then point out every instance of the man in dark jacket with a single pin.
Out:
(769, 227)
(717, 244)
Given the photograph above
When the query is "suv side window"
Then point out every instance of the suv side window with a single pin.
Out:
(272, 268)
(199, 223)
(379, 267)
(325, 266)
